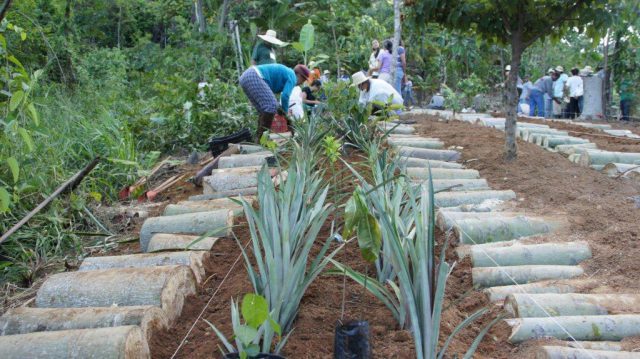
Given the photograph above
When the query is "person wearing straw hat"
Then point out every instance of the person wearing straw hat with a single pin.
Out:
(261, 83)
(375, 90)
(558, 91)
(263, 52)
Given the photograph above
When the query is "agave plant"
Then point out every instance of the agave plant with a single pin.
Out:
(414, 293)
(283, 231)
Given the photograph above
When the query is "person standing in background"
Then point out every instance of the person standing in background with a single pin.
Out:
(401, 68)
(325, 77)
(558, 92)
(527, 85)
(407, 93)
(626, 99)
(548, 99)
(576, 90)
(383, 66)
(543, 86)
(263, 52)
(373, 59)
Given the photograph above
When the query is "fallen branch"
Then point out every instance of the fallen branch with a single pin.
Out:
(70, 184)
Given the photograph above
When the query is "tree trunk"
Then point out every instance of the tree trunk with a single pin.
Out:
(335, 44)
(223, 15)
(510, 98)
(202, 21)
(397, 31)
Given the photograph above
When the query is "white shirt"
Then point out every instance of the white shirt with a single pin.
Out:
(295, 103)
(575, 86)
(373, 63)
(380, 90)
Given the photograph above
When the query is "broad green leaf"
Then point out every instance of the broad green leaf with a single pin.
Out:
(252, 350)
(96, 196)
(253, 29)
(3, 41)
(298, 46)
(255, 309)
(5, 200)
(26, 137)
(275, 326)
(15, 168)
(16, 98)
(23, 35)
(350, 217)
(245, 334)
(307, 36)
(33, 114)
(369, 238)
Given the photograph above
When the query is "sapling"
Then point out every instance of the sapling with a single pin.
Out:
(249, 335)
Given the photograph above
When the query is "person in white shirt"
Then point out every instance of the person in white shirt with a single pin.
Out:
(373, 59)
(576, 90)
(375, 90)
(295, 103)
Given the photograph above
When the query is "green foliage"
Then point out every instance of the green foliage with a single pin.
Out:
(452, 100)
(357, 216)
(257, 321)
(331, 148)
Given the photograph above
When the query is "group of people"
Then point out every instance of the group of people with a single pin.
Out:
(380, 67)
(299, 87)
(556, 94)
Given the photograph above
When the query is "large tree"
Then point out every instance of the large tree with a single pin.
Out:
(518, 24)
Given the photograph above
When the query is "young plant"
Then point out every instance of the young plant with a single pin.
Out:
(283, 231)
(452, 100)
(248, 336)
(415, 294)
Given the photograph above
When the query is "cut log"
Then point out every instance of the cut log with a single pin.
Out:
(553, 141)
(441, 173)
(184, 207)
(616, 169)
(427, 154)
(415, 142)
(244, 160)
(590, 327)
(165, 287)
(604, 345)
(501, 228)
(192, 259)
(446, 219)
(499, 276)
(525, 132)
(566, 253)
(458, 184)
(395, 128)
(228, 179)
(532, 305)
(558, 352)
(497, 294)
(126, 342)
(598, 157)
(26, 320)
(453, 199)
(171, 242)
(405, 162)
(215, 223)
(250, 149)
(224, 194)
(571, 149)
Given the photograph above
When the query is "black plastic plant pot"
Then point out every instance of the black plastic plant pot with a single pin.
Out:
(259, 356)
(352, 341)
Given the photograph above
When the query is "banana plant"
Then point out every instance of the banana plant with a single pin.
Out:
(306, 41)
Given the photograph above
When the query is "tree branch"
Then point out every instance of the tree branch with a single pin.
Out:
(4, 9)
(563, 17)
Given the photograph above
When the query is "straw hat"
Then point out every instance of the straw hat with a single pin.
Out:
(358, 78)
(270, 36)
(551, 70)
(559, 68)
(507, 68)
(587, 70)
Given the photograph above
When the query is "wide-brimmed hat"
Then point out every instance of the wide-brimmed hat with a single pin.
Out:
(551, 70)
(270, 36)
(559, 68)
(302, 70)
(358, 78)
(587, 70)
(507, 68)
